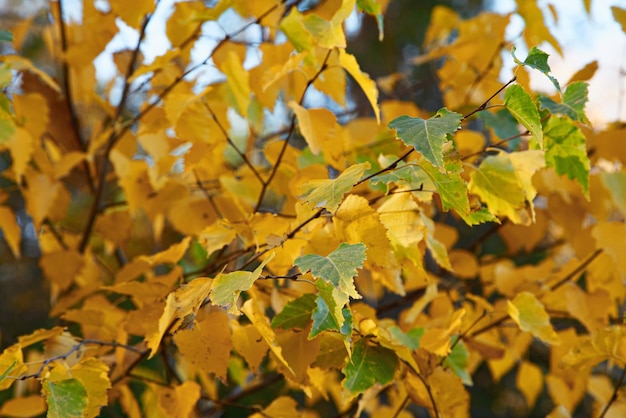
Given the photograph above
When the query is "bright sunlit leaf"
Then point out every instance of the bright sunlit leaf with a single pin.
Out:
(530, 315)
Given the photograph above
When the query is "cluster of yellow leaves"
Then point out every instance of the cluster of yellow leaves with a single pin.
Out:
(172, 212)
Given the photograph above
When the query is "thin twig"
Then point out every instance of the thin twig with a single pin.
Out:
(113, 137)
(583, 265)
(243, 156)
(71, 351)
(292, 127)
(616, 389)
(484, 105)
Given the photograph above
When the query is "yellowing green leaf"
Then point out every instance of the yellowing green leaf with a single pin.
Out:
(530, 315)
(370, 364)
(226, 288)
(339, 268)
(93, 374)
(566, 151)
(524, 110)
(497, 184)
(450, 185)
(573, 103)
(66, 398)
(329, 313)
(428, 136)
(349, 63)
(328, 194)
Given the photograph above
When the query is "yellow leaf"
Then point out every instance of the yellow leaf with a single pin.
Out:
(299, 351)
(23, 64)
(316, 125)
(62, 267)
(116, 226)
(10, 230)
(170, 256)
(282, 407)
(450, 396)
(207, 345)
(237, 80)
(39, 335)
(526, 163)
(329, 33)
(91, 36)
(255, 314)
(529, 381)
(21, 146)
(607, 343)
(157, 328)
(464, 263)
(443, 20)
(611, 237)
(530, 315)
(24, 407)
(11, 363)
(180, 400)
(132, 13)
(249, 343)
(216, 236)
(438, 340)
(93, 374)
(536, 30)
(400, 215)
(349, 63)
(32, 110)
(559, 412)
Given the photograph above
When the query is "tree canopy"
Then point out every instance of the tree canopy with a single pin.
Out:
(233, 218)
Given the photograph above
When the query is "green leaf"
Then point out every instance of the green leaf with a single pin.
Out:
(370, 364)
(404, 174)
(67, 398)
(428, 135)
(339, 268)
(329, 313)
(296, 314)
(538, 60)
(6, 36)
(328, 194)
(566, 151)
(503, 124)
(451, 187)
(496, 183)
(524, 110)
(457, 362)
(403, 338)
(573, 103)
(226, 288)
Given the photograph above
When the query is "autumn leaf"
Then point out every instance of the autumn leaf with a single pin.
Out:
(530, 315)
(428, 136)
(369, 364)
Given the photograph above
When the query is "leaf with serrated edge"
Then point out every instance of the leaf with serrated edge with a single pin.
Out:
(67, 398)
(226, 288)
(524, 110)
(328, 194)
(530, 315)
(296, 313)
(428, 136)
(370, 364)
(339, 268)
